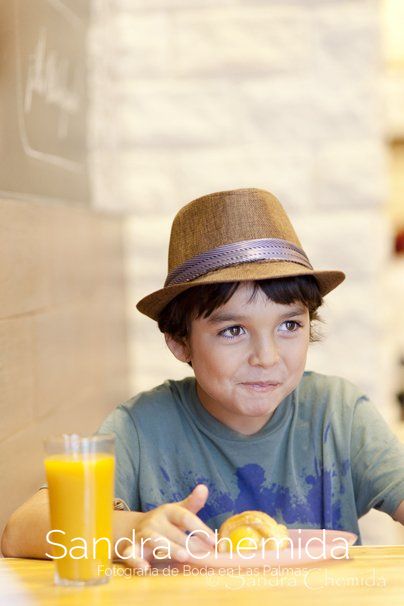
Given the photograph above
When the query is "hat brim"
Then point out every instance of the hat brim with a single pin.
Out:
(152, 304)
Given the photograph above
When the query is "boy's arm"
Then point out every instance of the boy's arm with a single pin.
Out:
(399, 513)
(25, 533)
(377, 462)
(26, 530)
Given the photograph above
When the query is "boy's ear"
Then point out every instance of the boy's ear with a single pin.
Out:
(179, 349)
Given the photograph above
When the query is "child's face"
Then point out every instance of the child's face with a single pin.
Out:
(268, 344)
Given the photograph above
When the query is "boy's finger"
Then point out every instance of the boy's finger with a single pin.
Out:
(175, 535)
(196, 499)
(131, 557)
(179, 539)
(188, 521)
(162, 547)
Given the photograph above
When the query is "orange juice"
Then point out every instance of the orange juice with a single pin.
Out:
(81, 493)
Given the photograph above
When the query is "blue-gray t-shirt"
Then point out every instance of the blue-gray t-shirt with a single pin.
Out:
(324, 458)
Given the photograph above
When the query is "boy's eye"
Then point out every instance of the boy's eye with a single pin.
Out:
(235, 331)
(291, 325)
(232, 332)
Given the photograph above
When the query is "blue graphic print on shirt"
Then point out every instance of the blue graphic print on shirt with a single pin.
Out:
(318, 508)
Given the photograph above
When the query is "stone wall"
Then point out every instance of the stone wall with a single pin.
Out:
(203, 96)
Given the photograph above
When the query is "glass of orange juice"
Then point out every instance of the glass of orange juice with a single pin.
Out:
(80, 476)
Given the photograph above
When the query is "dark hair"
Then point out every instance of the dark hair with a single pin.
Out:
(201, 300)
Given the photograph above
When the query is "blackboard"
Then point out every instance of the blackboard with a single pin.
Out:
(43, 99)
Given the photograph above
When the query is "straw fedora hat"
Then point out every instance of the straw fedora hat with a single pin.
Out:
(231, 236)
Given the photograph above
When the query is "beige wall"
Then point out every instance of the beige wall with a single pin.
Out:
(396, 199)
(62, 333)
(63, 362)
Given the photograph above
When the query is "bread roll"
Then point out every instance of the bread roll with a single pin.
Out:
(257, 526)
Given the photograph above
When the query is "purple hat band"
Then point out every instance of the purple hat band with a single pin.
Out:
(246, 251)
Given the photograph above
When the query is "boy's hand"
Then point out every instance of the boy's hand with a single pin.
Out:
(170, 522)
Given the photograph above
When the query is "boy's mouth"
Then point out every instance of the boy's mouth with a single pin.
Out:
(261, 385)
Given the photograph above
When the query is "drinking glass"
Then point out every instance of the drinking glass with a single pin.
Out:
(80, 476)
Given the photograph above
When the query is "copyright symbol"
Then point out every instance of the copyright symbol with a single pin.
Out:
(212, 581)
(236, 582)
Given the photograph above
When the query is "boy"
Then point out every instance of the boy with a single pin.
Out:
(251, 429)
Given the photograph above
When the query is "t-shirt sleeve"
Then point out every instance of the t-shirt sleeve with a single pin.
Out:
(127, 452)
(377, 461)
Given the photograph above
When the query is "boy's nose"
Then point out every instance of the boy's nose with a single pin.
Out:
(264, 352)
